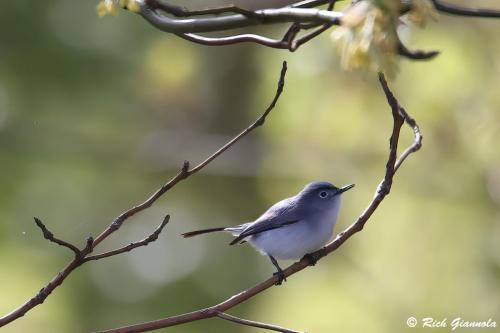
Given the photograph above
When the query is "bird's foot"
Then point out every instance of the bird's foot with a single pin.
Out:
(281, 277)
(312, 258)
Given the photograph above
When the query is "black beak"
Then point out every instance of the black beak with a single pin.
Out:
(345, 188)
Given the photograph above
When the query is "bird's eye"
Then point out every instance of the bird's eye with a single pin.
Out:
(323, 194)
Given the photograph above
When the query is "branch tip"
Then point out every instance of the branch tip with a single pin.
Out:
(416, 54)
(89, 247)
(48, 235)
(185, 167)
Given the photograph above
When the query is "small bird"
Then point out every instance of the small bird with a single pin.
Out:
(291, 228)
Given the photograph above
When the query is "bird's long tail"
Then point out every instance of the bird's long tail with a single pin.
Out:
(200, 232)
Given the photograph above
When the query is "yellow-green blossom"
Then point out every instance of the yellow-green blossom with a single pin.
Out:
(110, 7)
(367, 37)
(420, 11)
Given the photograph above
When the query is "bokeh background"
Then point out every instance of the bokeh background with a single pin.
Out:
(95, 114)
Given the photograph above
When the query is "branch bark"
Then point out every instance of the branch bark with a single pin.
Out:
(252, 323)
(227, 22)
(399, 116)
(81, 256)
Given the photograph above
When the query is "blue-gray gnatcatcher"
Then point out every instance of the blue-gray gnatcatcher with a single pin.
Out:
(293, 227)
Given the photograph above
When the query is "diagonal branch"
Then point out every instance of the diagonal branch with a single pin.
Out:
(254, 323)
(50, 237)
(257, 123)
(400, 116)
(184, 173)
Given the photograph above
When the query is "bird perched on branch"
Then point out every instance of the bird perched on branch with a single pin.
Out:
(291, 228)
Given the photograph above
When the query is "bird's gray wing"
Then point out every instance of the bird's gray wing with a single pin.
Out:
(279, 215)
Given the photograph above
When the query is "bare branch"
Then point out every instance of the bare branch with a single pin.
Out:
(464, 11)
(257, 123)
(415, 54)
(289, 40)
(254, 323)
(220, 23)
(295, 44)
(50, 237)
(181, 11)
(116, 224)
(131, 246)
(399, 118)
(235, 39)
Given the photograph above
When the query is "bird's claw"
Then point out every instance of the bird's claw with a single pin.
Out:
(281, 277)
(312, 258)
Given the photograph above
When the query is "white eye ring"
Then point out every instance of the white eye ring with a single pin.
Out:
(323, 194)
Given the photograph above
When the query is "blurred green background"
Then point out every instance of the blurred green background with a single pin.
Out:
(95, 114)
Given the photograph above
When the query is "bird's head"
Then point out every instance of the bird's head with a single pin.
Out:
(322, 194)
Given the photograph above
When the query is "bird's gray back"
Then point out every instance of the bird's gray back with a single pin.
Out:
(284, 210)
(281, 212)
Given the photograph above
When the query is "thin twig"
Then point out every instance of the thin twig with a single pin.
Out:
(309, 36)
(185, 172)
(259, 122)
(131, 246)
(285, 43)
(313, 34)
(50, 237)
(415, 54)
(235, 39)
(399, 118)
(180, 11)
(255, 323)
